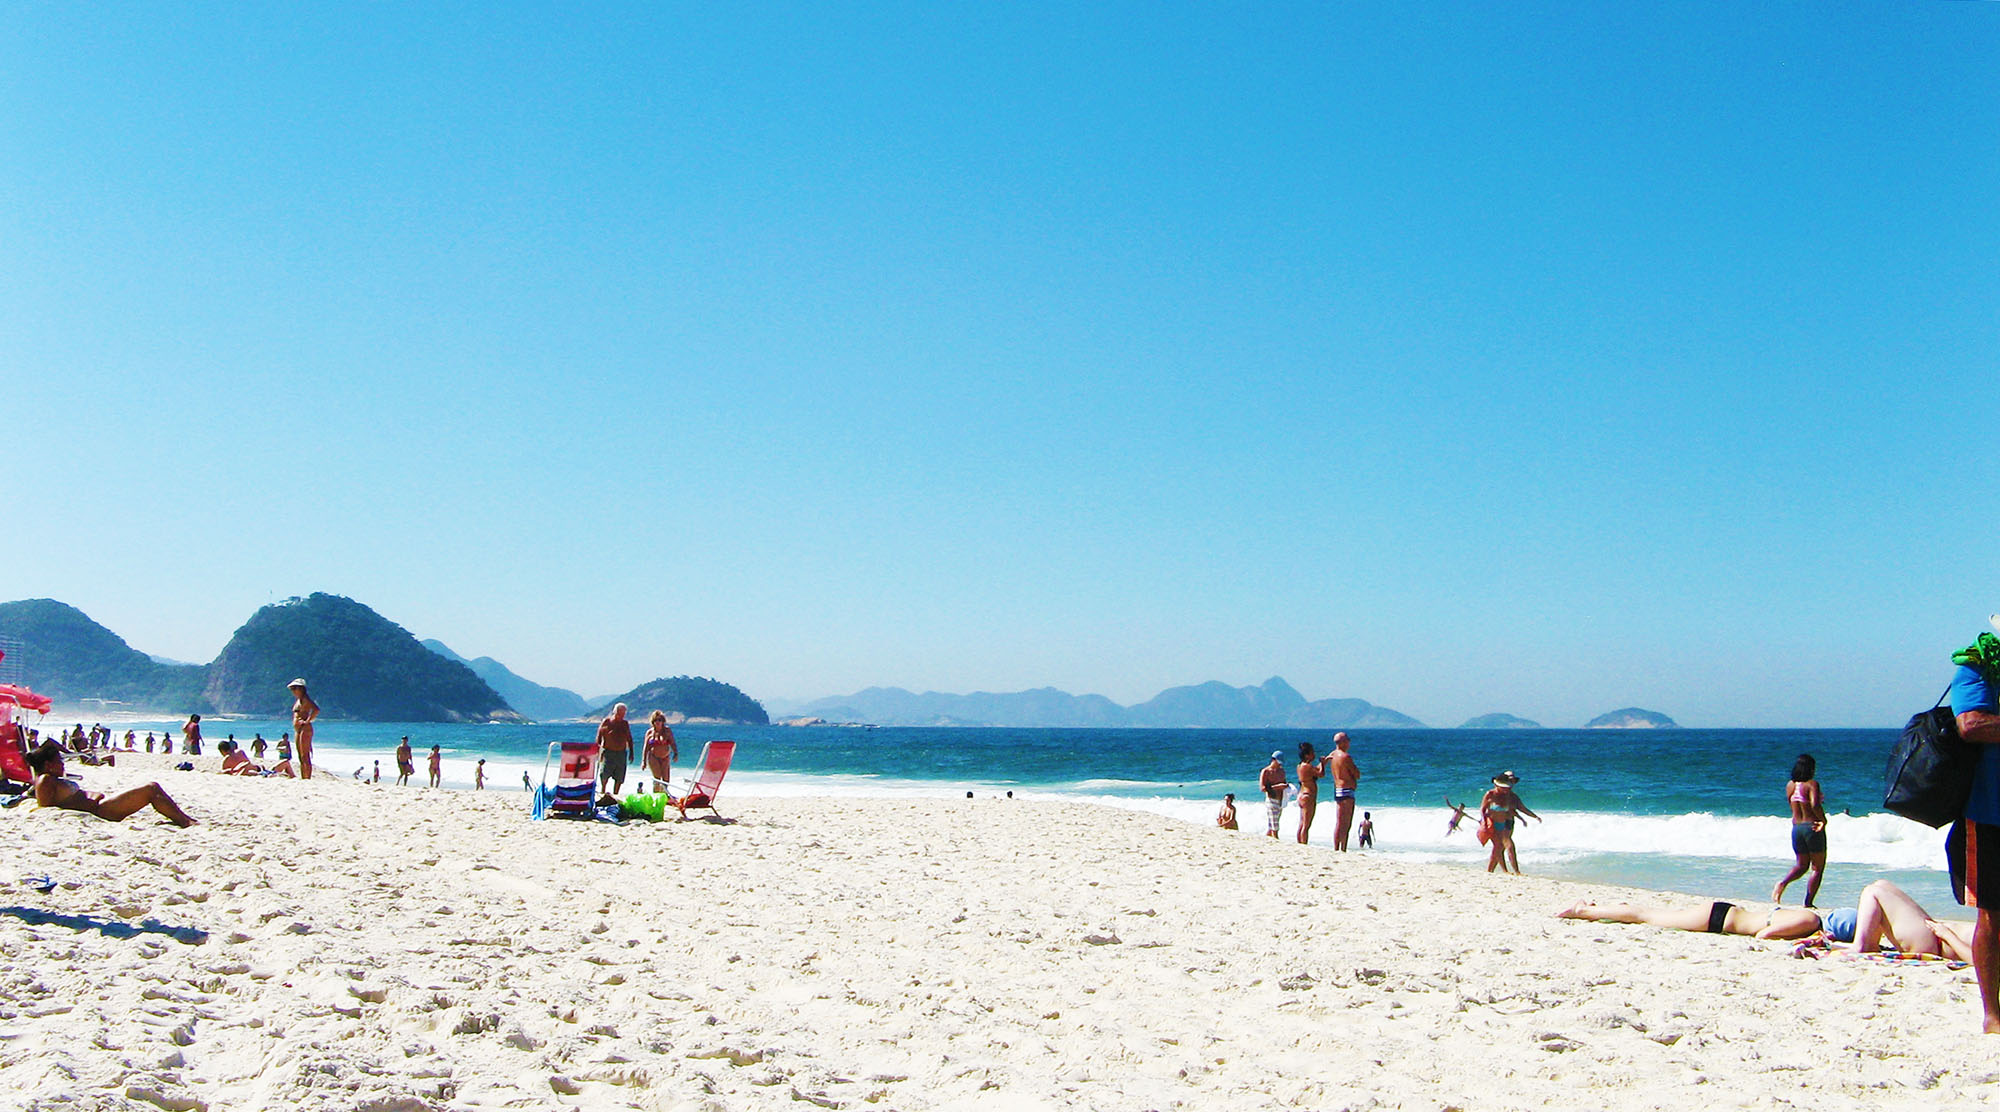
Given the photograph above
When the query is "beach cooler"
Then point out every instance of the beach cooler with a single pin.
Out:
(574, 794)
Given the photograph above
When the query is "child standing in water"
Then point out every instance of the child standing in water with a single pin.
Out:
(1367, 830)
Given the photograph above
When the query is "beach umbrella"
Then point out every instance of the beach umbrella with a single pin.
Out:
(24, 698)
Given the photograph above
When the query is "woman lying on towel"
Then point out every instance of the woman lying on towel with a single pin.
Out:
(1718, 917)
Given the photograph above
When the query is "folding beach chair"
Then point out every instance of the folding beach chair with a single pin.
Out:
(575, 793)
(715, 758)
(13, 766)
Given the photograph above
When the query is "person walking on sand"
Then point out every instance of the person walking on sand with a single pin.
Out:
(479, 775)
(304, 710)
(660, 751)
(614, 741)
(191, 736)
(1499, 808)
(1972, 850)
(1346, 777)
(437, 767)
(406, 762)
(1311, 768)
(1274, 785)
(1808, 829)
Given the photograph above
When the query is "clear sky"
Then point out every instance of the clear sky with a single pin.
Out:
(1460, 357)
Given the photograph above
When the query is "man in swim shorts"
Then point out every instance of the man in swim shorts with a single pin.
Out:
(614, 739)
(1972, 850)
(1346, 776)
(1273, 783)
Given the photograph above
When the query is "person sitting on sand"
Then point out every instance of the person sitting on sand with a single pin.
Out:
(1226, 818)
(1887, 912)
(51, 790)
(234, 763)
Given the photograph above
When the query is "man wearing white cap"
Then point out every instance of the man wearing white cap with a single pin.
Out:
(1973, 849)
(1274, 784)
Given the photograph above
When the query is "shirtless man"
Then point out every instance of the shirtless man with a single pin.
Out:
(51, 790)
(1346, 775)
(614, 737)
(406, 762)
(1273, 783)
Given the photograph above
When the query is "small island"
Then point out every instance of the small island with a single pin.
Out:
(1500, 722)
(1632, 718)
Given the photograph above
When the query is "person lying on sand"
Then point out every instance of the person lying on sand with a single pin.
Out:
(234, 763)
(1718, 917)
(51, 790)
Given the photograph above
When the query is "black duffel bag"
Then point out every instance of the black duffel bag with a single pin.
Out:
(1930, 770)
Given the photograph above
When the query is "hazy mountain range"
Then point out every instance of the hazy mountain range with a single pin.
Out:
(1273, 703)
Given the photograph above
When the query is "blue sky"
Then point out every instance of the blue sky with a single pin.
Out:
(1463, 358)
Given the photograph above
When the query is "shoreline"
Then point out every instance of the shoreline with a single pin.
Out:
(315, 947)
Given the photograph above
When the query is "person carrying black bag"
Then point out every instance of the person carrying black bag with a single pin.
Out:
(1973, 847)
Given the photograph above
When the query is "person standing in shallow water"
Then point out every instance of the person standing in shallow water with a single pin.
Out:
(304, 710)
(1808, 829)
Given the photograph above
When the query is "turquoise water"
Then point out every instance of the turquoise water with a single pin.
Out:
(1696, 811)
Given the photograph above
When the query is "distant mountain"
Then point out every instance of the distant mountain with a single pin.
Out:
(1632, 718)
(1041, 707)
(1499, 722)
(689, 697)
(359, 664)
(543, 704)
(69, 658)
(1274, 703)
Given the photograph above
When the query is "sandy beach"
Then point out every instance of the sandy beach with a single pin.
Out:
(340, 946)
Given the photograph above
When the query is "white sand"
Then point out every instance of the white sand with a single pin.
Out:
(338, 946)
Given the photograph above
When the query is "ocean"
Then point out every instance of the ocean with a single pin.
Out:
(1694, 811)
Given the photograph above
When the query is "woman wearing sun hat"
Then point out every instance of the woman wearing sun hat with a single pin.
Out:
(1497, 811)
(304, 710)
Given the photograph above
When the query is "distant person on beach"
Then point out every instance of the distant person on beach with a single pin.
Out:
(1310, 770)
(1499, 809)
(304, 710)
(51, 790)
(1367, 830)
(479, 775)
(1226, 817)
(234, 763)
(660, 750)
(285, 746)
(1346, 777)
(406, 762)
(527, 785)
(614, 739)
(1273, 784)
(437, 767)
(378, 771)
(149, 741)
(258, 745)
(1975, 837)
(191, 736)
(1457, 816)
(1808, 829)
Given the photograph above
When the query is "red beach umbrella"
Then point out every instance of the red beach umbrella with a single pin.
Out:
(24, 698)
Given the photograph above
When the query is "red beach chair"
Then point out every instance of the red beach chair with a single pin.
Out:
(715, 758)
(575, 793)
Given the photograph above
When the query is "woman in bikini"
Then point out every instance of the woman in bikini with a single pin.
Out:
(304, 710)
(1498, 809)
(1808, 829)
(1310, 770)
(660, 750)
